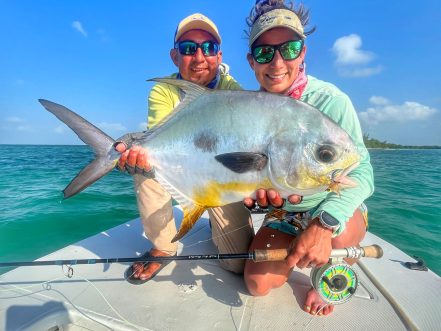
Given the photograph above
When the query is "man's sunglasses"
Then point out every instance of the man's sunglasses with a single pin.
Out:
(289, 50)
(188, 47)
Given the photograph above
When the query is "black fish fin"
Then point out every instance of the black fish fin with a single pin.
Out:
(241, 162)
(87, 132)
(89, 175)
(105, 156)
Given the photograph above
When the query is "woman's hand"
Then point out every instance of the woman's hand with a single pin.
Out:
(134, 160)
(270, 197)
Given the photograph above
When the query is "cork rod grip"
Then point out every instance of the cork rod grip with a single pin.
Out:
(261, 255)
(373, 251)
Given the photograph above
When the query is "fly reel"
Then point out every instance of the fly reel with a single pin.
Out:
(336, 283)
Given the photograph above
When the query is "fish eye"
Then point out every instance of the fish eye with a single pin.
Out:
(326, 153)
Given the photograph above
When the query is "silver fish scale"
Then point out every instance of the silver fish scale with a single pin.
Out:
(287, 131)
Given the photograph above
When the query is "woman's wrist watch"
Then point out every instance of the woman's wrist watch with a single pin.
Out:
(328, 221)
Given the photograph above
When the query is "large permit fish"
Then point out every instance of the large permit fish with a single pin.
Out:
(219, 146)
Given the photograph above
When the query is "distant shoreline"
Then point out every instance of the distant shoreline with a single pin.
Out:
(393, 147)
(372, 143)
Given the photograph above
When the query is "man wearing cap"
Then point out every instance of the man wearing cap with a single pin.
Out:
(197, 55)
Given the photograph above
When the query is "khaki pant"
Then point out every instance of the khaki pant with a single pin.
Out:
(232, 228)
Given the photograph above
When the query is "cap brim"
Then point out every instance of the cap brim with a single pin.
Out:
(254, 38)
(198, 25)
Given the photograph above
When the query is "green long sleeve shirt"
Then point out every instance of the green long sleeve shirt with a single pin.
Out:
(335, 104)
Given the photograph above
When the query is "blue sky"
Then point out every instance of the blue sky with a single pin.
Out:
(95, 57)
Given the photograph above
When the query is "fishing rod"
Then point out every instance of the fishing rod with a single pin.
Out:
(258, 255)
(335, 282)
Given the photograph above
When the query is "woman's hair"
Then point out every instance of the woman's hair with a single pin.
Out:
(263, 6)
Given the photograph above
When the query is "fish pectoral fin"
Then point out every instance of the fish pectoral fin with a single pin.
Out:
(241, 162)
(191, 216)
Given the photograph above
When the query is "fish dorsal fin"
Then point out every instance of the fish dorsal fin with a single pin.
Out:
(192, 211)
(191, 92)
(188, 87)
(241, 162)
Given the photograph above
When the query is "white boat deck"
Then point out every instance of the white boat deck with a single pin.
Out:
(200, 295)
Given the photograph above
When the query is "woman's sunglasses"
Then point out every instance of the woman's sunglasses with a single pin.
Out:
(289, 50)
(188, 47)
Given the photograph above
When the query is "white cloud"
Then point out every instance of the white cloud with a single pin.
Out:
(17, 124)
(377, 100)
(351, 60)
(79, 27)
(14, 119)
(384, 111)
(347, 49)
(24, 128)
(111, 126)
(360, 72)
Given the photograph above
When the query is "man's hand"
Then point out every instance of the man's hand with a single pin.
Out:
(134, 160)
(265, 198)
(312, 248)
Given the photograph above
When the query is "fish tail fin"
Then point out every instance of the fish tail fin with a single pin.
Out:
(105, 155)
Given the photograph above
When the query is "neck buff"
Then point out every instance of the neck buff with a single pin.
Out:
(210, 85)
(297, 88)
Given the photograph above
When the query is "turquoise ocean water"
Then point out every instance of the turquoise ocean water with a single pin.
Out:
(34, 220)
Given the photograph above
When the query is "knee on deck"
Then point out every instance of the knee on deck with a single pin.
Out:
(256, 288)
(260, 285)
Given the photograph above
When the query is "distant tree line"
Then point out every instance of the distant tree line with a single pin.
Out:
(374, 143)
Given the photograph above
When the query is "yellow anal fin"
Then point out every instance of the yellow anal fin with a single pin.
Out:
(191, 216)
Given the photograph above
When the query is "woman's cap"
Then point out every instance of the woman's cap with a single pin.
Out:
(197, 22)
(276, 18)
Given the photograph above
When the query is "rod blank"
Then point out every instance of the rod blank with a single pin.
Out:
(259, 255)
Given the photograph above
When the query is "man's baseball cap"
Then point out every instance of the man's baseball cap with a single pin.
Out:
(283, 18)
(197, 22)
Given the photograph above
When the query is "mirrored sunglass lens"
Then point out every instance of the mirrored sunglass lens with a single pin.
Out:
(187, 48)
(263, 54)
(209, 48)
(291, 50)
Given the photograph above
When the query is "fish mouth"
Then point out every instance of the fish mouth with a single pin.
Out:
(341, 178)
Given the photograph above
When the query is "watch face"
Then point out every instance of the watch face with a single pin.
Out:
(329, 220)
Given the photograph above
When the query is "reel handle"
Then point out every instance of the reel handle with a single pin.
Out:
(375, 251)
